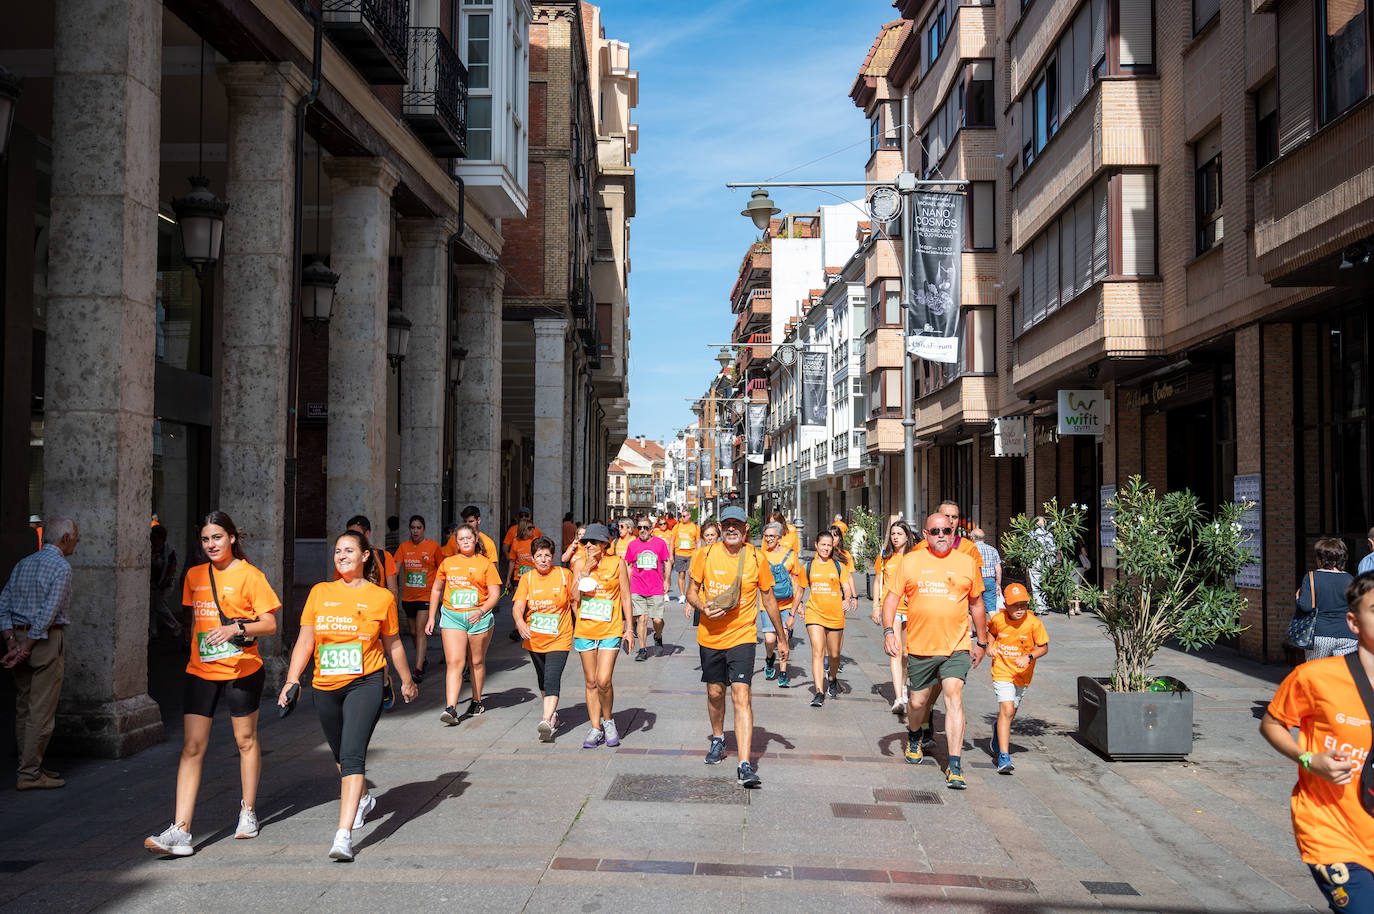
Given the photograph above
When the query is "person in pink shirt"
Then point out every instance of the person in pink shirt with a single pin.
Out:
(650, 563)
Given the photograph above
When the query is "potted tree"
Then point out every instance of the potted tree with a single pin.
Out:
(1174, 580)
(865, 542)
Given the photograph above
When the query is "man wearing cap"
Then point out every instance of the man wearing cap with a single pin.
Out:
(647, 555)
(941, 586)
(727, 635)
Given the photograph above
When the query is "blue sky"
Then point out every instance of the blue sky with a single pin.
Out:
(728, 91)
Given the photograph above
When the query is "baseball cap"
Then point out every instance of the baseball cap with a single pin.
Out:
(35, 519)
(1015, 593)
(597, 532)
(734, 513)
(526, 511)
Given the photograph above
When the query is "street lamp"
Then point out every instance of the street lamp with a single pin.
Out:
(318, 284)
(725, 357)
(200, 216)
(397, 337)
(760, 208)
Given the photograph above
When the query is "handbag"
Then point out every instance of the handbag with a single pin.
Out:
(1302, 631)
(728, 598)
(239, 641)
(1357, 673)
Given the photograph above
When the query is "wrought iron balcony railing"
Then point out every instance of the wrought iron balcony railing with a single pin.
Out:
(372, 35)
(435, 100)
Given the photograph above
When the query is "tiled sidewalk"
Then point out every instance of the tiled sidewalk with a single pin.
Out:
(484, 817)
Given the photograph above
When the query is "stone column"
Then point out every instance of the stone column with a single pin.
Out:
(424, 297)
(550, 424)
(477, 405)
(256, 314)
(98, 416)
(360, 224)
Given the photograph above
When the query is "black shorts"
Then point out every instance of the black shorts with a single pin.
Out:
(201, 696)
(731, 664)
(412, 607)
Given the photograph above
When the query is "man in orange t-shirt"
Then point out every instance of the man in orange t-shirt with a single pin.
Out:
(1335, 834)
(962, 543)
(941, 587)
(727, 637)
(472, 516)
(686, 538)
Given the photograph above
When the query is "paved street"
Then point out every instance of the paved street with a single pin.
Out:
(484, 817)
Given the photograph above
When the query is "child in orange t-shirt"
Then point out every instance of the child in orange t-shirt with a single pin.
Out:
(1321, 698)
(1018, 640)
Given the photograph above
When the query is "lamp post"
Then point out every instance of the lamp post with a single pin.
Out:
(200, 217)
(786, 356)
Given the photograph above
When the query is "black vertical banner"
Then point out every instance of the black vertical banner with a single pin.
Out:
(814, 389)
(757, 417)
(934, 266)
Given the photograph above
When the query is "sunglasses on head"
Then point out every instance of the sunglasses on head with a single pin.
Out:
(940, 531)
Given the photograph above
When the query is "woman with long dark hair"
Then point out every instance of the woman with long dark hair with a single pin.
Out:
(899, 543)
(469, 587)
(231, 606)
(349, 627)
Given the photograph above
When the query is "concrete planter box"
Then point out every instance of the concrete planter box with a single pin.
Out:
(1135, 726)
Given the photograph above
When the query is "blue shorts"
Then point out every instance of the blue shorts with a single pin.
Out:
(458, 618)
(1348, 887)
(766, 624)
(593, 644)
(989, 596)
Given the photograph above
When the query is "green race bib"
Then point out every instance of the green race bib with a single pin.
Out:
(341, 659)
(415, 579)
(646, 561)
(462, 598)
(545, 623)
(596, 609)
(520, 571)
(209, 652)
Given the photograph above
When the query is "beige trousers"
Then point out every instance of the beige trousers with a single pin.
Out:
(39, 685)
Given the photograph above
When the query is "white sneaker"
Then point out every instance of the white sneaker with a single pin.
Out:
(248, 822)
(175, 841)
(612, 734)
(342, 851)
(365, 806)
(898, 705)
(545, 731)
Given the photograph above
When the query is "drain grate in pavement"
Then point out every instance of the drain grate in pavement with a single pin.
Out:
(1109, 888)
(655, 788)
(902, 795)
(865, 811)
(15, 866)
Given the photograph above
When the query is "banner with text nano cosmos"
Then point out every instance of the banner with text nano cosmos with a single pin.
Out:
(814, 388)
(757, 416)
(933, 266)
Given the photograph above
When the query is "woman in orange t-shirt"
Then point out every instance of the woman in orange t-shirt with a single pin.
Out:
(572, 555)
(349, 628)
(543, 617)
(418, 559)
(222, 665)
(469, 587)
(602, 604)
(710, 535)
(829, 588)
(899, 543)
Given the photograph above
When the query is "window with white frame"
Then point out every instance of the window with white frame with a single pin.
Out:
(493, 40)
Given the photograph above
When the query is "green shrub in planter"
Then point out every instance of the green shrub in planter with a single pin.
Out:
(866, 541)
(1054, 552)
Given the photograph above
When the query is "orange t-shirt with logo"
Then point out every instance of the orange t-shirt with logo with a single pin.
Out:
(512, 537)
(601, 615)
(714, 572)
(1015, 639)
(243, 594)
(451, 547)
(788, 560)
(684, 538)
(418, 562)
(887, 568)
(825, 602)
(1323, 702)
(467, 572)
(938, 591)
(388, 566)
(349, 624)
(548, 609)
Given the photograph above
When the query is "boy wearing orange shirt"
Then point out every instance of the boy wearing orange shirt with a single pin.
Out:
(1331, 701)
(1019, 639)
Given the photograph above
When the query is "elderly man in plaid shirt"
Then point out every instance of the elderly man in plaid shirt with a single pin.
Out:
(992, 571)
(33, 615)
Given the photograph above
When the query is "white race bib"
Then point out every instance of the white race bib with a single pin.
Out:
(341, 659)
(211, 652)
(462, 598)
(596, 609)
(646, 561)
(545, 623)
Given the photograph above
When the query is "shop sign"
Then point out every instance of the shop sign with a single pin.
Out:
(1045, 433)
(1082, 412)
(1009, 436)
(1155, 394)
(1249, 488)
(317, 411)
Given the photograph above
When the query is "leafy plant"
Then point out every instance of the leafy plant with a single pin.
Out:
(1053, 552)
(864, 541)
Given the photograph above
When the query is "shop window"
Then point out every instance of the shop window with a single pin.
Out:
(1207, 190)
(1343, 48)
(1266, 124)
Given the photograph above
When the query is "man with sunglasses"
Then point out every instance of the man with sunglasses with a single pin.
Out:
(941, 585)
(649, 562)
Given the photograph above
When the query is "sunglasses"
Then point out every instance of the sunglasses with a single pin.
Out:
(940, 531)
(644, 528)
(589, 542)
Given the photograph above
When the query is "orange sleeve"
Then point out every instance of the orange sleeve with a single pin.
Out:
(391, 625)
(187, 598)
(1290, 703)
(765, 571)
(311, 606)
(1041, 634)
(493, 576)
(261, 597)
(390, 565)
(522, 590)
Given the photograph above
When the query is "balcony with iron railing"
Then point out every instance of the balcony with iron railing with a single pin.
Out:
(372, 35)
(757, 349)
(756, 313)
(435, 100)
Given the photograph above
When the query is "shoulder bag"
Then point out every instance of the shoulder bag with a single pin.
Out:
(1303, 629)
(237, 640)
(1357, 673)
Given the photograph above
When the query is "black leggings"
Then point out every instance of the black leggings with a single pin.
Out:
(548, 668)
(348, 717)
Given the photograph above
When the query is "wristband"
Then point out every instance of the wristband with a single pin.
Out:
(889, 631)
(1305, 760)
(982, 645)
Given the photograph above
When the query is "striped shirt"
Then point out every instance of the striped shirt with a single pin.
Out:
(990, 559)
(38, 593)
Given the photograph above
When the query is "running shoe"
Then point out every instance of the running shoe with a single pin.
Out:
(770, 667)
(418, 674)
(248, 823)
(388, 695)
(475, 707)
(658, 643)
(594, 738)
(365, 806)
(914, 753)
(834, 689)
(994, 749)
(450, 715)
(716, 752)
(818, 699)
(1004, 765)
(954, 777)
(342, 850)
(927, 737)
(612, 734)
(546, 731)
(746, 776)
(642, 654)
(784, 681)
(898, 706)
(174, 842)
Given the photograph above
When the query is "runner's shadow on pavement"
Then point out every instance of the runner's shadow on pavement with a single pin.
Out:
(507, 699)
(670, 650)
(762, 741)
(640, 720)
(405, 803)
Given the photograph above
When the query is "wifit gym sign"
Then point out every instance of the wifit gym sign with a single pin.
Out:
(1082, 412)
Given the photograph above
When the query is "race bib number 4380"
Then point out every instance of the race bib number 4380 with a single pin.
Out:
(341, 659)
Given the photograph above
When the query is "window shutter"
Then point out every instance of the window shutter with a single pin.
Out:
(1027, 288)
(1042, 297)
(603, 231)
(1136, 31)
(1295, 73)
(1082, 52)
(1066, 71)
(983, 232)
(1101, 247)
(1138, 223)
(1083, 241)
(1066, 252)
(1099, 48)
(1052, 267)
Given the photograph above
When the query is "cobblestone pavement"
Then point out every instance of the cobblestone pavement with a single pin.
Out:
(483, 817)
